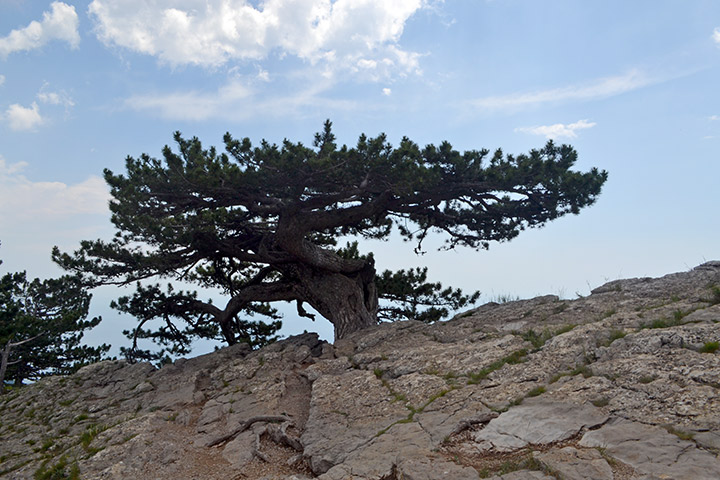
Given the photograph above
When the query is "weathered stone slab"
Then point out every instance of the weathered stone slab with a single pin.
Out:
(239, 451)
(346, 412)
(380, 456)
(574, 464)
(524, 475)
(429, 468)
(537, 423)
(455, 410)
(653, 451)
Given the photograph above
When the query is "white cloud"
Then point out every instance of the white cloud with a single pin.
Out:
(21, 198)
(21, 118)
(601, 88)
(54, 98)
(192, 105)
(387, 92)
(714, 118)
(345, 34)
(235, 102)
(60, 23)
(716, 35)
(558, 130)
(2, 79)
(263, 75)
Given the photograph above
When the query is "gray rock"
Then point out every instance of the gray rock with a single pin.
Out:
(346, 412)
(653, 451)
(239, 451)
(407, 399)
(429, 468)
(537, 424)
(708, 440)
(524, 475)
(574, 464)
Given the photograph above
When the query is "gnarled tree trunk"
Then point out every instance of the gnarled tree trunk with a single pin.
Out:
(349, 301)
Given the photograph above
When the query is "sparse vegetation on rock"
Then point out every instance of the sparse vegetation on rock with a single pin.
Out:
(475, 397)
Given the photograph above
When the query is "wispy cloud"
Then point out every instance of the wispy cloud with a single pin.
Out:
(60, 23)
(2, 79)
(344, 35)
(192, 104)
(558, 130)
(716, 35)
(21, 198)
(235, 101)
(23, 118)
(61, 98)
(600, 88)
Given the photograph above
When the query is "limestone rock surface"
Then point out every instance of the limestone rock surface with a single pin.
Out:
(622, 384)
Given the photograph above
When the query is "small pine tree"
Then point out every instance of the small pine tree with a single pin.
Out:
(41, 327)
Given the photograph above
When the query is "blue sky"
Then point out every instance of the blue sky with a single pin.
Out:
(634, 86)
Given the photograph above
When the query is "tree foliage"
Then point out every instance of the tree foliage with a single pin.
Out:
(42, 323)
(261, 223)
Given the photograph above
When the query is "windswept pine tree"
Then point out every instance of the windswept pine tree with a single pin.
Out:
(261, 223)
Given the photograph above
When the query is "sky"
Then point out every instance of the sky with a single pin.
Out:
(633, 86)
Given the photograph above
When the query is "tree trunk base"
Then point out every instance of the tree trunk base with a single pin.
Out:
(349, 302)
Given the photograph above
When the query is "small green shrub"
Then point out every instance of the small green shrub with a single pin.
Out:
(81, 417)
(601, 402)
(89, 435)
(681, 434)
(505, 298)
(583, 370)
(710, 347)
(536, 339)
(537, 391)
(59, 471)
(512, 359)
(645, 379)
(47, 444)
(666, 322)
(399, 397)
(610, 460)
(560, 308)
(715, 294)
(565, 328)
(614, 335)
(539, 339)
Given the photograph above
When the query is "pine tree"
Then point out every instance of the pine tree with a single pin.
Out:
(261, 224)
(41, 327)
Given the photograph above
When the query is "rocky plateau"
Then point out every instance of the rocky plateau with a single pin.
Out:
(622, 384)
